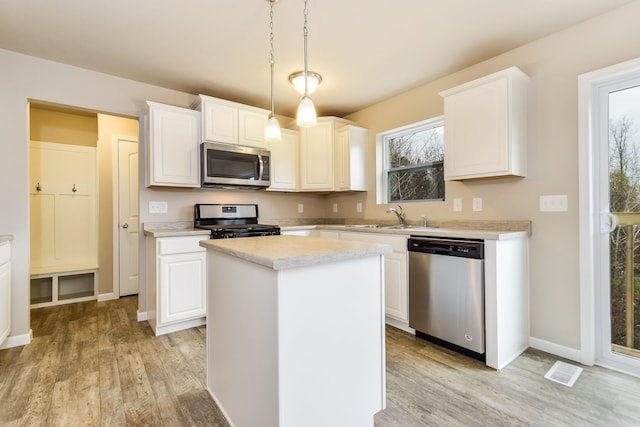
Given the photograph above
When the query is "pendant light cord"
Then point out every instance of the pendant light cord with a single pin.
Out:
(306, 32)
(272, 60)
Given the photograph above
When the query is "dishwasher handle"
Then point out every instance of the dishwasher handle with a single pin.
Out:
(457, 248)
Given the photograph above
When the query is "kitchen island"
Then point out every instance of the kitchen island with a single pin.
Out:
(295, 330)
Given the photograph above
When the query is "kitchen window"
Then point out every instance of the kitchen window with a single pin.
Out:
(410, 162)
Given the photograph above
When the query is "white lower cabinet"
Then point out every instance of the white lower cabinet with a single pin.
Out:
(5, 290)
(177, 287)
(396, 283)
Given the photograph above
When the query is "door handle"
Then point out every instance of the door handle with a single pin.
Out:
(125, 225)
(609, 222)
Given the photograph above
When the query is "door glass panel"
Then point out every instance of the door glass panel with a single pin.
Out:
(624, 199)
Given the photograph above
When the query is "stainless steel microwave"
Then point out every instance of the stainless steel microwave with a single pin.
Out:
(234, 166)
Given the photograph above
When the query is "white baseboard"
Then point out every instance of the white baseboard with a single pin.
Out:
(107, 297)
(399, 324)
(17, 340)
(142, 316)
(556, 349)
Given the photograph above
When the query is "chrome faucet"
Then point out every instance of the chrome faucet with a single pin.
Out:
(399, 214)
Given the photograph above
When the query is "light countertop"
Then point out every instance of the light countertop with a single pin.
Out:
(173, 229)
(461, 233)
(6, 238)
(283, 252)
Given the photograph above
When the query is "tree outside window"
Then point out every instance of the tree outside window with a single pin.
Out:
(414, 162)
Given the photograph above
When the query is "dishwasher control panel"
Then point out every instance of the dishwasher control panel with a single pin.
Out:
(465, 248)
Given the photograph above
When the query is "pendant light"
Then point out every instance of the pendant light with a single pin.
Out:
(306, 116)
(272, 130)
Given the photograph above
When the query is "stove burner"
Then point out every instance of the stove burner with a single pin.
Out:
(231, 221)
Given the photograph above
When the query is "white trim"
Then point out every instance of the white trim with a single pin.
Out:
(556, 349)
(589, 225)
(17, 340)
(142, 316)
(107, 297)
(399, 324)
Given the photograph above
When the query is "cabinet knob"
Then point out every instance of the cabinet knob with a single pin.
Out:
(125, 225)
(74, 188)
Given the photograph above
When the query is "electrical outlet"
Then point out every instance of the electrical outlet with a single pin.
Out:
(555, 203)
(335, 208)
(158, 207)
(457, 205)
(477, 204)
(359, 207)
(300, 208)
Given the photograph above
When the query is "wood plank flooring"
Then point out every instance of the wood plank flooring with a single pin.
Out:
(93, 364)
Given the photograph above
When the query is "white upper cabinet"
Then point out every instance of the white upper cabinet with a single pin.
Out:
(230, 122)
(284, 162)
(332, 156)
(173, 144)
(350, 160)
(485, 127)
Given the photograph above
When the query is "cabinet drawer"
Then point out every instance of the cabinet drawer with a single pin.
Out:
(5, 252)
(180, 245)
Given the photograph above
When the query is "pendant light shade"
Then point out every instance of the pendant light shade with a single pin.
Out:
(272, 129)
(306, 116)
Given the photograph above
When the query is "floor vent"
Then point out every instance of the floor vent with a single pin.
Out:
(564, 373)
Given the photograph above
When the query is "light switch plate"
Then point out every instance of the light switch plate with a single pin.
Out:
(457, 205)
(158, 207)
(300, 208)
(335, 208)
(554, 203)
(477, 204)
(359, 207)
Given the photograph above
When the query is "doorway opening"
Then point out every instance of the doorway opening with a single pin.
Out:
(82, 260)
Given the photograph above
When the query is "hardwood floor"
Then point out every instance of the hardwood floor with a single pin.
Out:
(94, 364)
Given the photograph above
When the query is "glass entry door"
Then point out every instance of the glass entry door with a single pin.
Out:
(620, 165)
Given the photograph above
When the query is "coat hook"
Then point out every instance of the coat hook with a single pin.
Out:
(38, 188)
(74, 188)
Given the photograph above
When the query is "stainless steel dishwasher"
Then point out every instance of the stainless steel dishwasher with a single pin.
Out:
(446, 292)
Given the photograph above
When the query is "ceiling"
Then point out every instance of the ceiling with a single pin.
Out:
(366, 50)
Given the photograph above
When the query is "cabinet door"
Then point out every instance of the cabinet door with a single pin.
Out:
(73, 230)
(174, 139)
(316, 157)
(251, 126)
(395, 285)
(182, 286)
(5, 291)
(284, 162)
(476, 131)
(220, 122)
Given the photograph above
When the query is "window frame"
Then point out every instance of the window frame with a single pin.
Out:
(382, 158)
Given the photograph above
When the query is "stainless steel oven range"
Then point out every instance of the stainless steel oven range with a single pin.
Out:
(230, 221)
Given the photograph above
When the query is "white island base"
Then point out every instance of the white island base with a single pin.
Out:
(295, 331)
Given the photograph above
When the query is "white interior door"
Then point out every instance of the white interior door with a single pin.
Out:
(128, 217)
